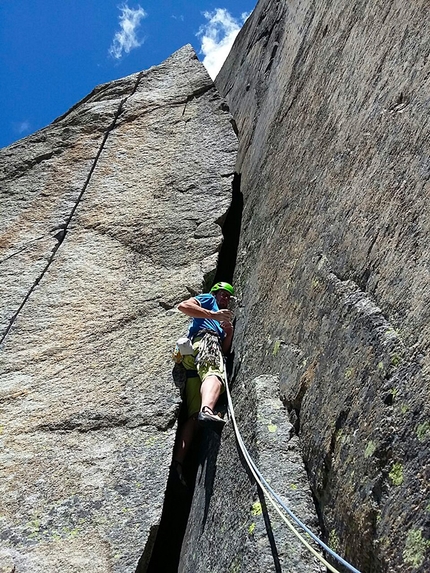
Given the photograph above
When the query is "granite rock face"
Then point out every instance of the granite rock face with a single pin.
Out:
(331, 102)
(232, 526)
(99, 215)
(111, 216)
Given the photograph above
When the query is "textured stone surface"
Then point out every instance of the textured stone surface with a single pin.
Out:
(109, 217)
(227, 529)
(332, 108)
(42, 178)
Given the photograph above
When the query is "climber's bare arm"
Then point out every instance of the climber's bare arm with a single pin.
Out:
(193, 309)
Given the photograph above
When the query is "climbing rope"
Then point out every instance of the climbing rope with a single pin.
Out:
(272, 496)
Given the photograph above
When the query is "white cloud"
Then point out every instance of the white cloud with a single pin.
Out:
(22, 127)
(217, 37)
(126, 39)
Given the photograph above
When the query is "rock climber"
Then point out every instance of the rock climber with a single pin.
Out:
(211, 333)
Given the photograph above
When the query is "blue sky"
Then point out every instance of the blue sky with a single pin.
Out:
(53, 53)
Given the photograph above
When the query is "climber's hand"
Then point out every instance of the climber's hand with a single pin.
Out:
(227, 327)
(223, 315)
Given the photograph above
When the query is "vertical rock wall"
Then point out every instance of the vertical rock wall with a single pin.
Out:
(232, 526)
(331, 101)
(109, 218)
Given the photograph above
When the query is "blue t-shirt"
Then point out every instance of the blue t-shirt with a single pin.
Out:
(208, 302)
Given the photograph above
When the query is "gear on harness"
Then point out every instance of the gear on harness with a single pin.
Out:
(183, 348)
(209, 352)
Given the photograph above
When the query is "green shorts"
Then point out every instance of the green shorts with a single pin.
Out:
(192, 388)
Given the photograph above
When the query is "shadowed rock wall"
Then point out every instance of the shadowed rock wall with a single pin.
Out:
(232, 527)
(99, 214)
(331, 101)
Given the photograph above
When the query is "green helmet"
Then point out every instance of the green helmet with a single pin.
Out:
(223, 286)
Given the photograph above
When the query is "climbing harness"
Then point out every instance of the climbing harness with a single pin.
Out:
(272, 496)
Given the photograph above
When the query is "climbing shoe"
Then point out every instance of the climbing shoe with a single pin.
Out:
(207, 416)
(177, 468)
